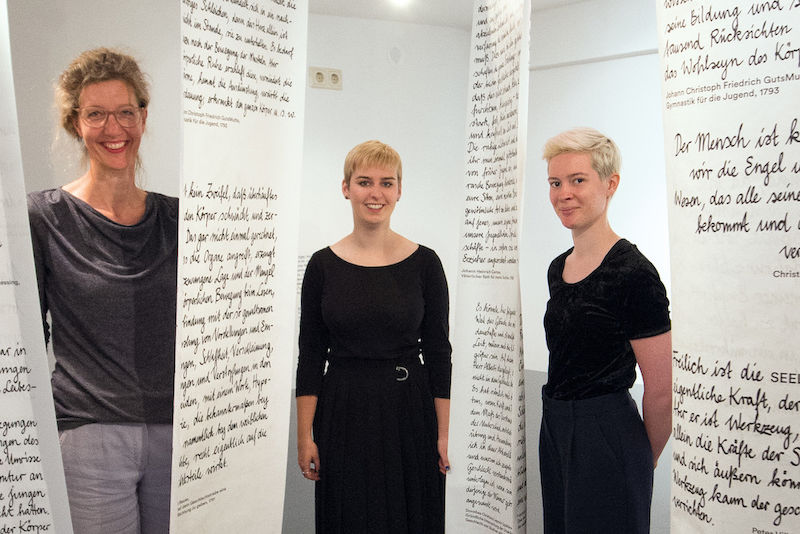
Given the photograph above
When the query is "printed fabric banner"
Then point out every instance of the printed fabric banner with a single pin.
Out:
(33, 497)
(731, 90)
(487, 487)
(243, 97)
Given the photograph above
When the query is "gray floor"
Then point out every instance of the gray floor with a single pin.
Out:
(298, 511)
(298, 505)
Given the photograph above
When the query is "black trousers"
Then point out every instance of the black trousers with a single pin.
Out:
(596, 466)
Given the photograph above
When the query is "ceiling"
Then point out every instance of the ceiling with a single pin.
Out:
(455, 13)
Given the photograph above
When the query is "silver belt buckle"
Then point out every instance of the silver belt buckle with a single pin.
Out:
(404, 370)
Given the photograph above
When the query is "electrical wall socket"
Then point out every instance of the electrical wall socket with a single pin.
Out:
(325, 78)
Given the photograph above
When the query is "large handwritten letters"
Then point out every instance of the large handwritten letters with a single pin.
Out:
(32, 493)
(28, 439)
(731, 79)
(243, 87)
(487, 488)
(240, 58)
(25, 494)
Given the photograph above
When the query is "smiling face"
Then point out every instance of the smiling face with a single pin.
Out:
(578, 194)
(110, 147)
(373, 192)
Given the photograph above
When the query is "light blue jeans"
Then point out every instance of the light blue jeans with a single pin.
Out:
(118, 477)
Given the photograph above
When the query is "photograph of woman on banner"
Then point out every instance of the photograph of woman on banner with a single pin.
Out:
(373, 376)
(608, 312)
(106, 266)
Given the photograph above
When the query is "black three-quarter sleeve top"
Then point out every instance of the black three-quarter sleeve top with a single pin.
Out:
(388, 312)
(589, 324)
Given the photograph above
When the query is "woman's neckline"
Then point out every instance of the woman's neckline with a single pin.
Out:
(416, 250)
(617, 244)
(79, 201)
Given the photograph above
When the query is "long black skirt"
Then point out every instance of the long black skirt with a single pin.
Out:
(375, 427)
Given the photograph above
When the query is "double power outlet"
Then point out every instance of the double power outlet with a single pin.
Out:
(325, 78)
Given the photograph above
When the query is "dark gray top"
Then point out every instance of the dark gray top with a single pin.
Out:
(111, 293)
(388, 312)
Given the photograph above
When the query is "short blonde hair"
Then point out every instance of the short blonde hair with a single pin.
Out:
(94, 66)
(372, 153)
(606, 159)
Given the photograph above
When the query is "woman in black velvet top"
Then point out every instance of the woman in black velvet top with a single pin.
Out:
(608, 312)
(372, 426)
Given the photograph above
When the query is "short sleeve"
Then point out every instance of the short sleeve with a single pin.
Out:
(314, 337)
(645, 307)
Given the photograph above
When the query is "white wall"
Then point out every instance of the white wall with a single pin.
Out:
(592, 30)
(416, 104)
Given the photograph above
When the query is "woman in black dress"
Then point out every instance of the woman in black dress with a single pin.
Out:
(608, 312)
(374, 308)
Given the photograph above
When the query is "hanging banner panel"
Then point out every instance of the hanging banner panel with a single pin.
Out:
(731, 87)
(486, 490)
(33, 496)
(243, 94)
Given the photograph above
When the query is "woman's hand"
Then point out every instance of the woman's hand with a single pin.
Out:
(442, 407)
(308, 459)
(444, 462)
(307, 452)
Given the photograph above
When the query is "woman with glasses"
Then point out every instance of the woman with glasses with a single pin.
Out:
(106, 265)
